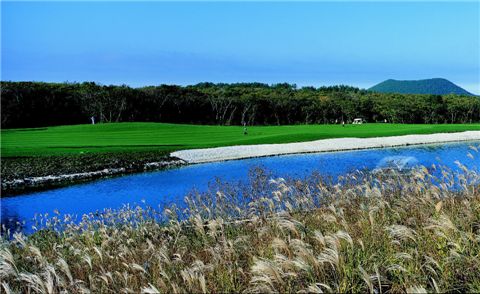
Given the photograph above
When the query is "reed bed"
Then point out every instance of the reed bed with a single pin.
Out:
(369, 232)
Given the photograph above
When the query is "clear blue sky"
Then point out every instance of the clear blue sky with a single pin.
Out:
(320, 43)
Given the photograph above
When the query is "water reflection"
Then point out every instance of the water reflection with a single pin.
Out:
(170, 186)
(397, 162)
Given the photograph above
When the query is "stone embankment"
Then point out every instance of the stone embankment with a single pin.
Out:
(31, 183)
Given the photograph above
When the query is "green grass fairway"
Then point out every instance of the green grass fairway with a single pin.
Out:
(79, 139)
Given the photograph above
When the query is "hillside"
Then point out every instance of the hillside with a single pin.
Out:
(435, 86)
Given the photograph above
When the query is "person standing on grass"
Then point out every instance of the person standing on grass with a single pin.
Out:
(245, 128)
(343, 123)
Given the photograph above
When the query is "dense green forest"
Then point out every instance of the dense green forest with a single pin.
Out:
(35, 104)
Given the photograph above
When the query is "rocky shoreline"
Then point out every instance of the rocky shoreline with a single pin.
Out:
(30, 184)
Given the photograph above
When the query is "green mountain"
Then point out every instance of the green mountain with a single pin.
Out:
(435, 86)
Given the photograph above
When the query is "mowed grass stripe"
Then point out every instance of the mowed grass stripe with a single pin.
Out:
(122, 137)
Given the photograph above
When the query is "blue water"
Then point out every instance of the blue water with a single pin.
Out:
(170, 186)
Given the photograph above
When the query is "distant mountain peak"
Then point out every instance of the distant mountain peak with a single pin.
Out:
(436, 86)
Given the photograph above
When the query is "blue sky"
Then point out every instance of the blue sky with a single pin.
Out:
(308, 43)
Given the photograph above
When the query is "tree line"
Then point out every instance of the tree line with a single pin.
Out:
(37, 104)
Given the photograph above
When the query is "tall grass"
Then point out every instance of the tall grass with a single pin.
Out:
(382, 232)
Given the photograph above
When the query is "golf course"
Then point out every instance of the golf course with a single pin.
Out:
(165, 138)
(240, 147)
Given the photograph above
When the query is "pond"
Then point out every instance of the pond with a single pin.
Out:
(170, 186)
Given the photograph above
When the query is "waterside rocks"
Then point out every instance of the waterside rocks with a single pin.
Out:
(31, 183)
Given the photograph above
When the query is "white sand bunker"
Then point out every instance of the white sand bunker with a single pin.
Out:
(340, 144)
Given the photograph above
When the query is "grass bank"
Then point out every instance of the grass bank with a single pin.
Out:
(384, 232)
(135, 137)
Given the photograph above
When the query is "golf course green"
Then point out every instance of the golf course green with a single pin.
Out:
(134, 137)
